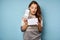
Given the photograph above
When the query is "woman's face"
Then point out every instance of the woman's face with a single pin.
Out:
(33, 9)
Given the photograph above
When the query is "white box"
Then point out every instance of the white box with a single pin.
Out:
(33, 21)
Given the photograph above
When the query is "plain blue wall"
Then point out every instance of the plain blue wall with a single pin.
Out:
(11, 12)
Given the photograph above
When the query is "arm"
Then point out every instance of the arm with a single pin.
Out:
(39, 27)
(24, 27)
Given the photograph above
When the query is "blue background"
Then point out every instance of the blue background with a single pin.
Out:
(11, 12)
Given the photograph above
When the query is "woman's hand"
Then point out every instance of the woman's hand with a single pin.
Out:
(39, 26)
(24, 27)
(25, 21)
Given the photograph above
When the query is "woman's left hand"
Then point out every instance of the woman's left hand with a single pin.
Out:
(39, 26)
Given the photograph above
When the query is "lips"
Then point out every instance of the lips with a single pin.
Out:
(33, 11)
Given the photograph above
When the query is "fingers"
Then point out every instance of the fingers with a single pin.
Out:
(38, 23)
(25, 20)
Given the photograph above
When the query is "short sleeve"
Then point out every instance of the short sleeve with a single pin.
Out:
(42, 23)
(22, 23)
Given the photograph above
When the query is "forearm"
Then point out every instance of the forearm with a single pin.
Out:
(39, 28)
(24, 27)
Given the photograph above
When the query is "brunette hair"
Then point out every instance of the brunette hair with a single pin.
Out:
(38, 13)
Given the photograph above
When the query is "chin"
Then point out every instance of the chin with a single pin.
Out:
(33, 13)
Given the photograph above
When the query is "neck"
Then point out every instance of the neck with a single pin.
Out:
(32, 15)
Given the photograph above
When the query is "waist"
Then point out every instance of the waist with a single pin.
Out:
(32, 28)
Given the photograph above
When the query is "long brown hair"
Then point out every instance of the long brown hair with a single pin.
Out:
(38, 13)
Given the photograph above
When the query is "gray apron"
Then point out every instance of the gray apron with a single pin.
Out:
(32, 33)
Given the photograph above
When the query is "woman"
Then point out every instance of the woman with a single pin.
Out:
(32, 32)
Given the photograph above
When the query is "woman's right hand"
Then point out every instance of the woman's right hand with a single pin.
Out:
(25, 25)
(25, 21)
